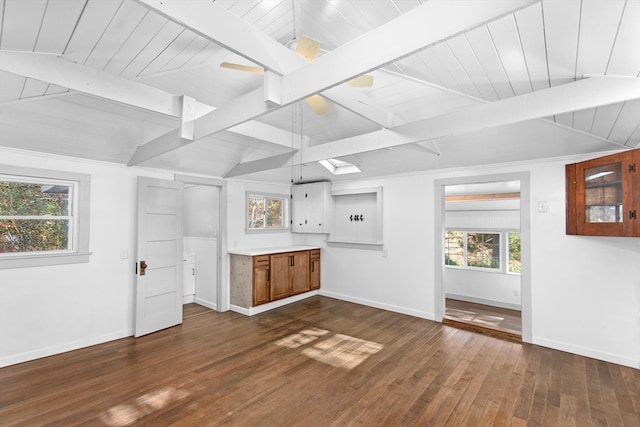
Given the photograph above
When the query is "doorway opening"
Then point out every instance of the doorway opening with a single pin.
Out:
(204, 242)
(483, 279)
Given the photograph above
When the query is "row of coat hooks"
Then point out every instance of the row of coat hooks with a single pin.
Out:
(356, 217)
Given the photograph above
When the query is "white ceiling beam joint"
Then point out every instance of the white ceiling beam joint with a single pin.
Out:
(187, 117)
(272, 89)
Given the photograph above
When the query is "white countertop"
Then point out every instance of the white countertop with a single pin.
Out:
(276, 250)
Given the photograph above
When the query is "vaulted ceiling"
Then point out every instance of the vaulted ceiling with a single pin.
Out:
(455, 83)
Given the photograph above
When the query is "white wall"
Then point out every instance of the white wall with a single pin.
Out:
(46, 310)
(237, 238)
(585, 290)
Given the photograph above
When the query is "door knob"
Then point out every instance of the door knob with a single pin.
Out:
(143, 267)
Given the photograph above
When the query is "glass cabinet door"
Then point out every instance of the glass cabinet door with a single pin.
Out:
(603, 193)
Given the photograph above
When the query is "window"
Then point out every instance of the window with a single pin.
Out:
(454, 248)
(266, 212)
(514, 252)
(483, 250)
(44, 217)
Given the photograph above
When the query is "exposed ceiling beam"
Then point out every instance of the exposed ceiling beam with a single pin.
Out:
(412, 31)
(53, 69)
(370, 51)
(219, 26)
(273, 162)
(420, 27)
(578, 95)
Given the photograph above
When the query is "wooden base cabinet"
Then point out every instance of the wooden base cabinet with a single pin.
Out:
(264, 278)
(314, 274)
(261, 283)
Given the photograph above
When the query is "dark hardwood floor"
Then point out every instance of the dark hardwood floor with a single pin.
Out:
(191, 310)
(485, 319)
(317, 362)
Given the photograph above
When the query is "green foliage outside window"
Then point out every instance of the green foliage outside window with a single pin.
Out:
(265, 212)
(514, 253)
(34, 217)
(483, 250)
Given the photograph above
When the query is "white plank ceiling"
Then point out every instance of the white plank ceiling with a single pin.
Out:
(99, 79)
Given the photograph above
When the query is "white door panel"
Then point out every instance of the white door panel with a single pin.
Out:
(159, 247)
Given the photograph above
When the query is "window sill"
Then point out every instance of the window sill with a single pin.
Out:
(23, 261)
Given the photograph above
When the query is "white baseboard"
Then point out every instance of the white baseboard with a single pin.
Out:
(587, 352)
(271, 305)
(63, 348)
(383, 306)
(205, 303)
(186, 299)
(483, 301)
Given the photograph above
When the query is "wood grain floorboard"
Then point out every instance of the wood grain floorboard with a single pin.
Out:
(317, 362)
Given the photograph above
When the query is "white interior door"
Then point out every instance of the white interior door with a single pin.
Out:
(159, 255)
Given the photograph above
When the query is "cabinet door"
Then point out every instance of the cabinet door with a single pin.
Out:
(260, 285)
(314, 207)
(299, 272)
(314, 274)
(280, 282)
(366, 225)
(297, 208)
(604, 200)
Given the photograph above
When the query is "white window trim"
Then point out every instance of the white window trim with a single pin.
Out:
(286, 198)
(80, 252)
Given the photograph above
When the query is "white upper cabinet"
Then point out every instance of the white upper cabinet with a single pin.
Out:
(311, 208)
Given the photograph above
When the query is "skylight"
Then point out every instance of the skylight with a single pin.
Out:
(339, 167)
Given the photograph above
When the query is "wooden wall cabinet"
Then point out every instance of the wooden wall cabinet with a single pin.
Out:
(603, 196)
(259, 279)
(311, 208)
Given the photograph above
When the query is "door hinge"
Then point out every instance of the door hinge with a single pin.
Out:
(632, 168)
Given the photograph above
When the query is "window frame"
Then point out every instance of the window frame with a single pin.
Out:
(79, 253)
(267, 196)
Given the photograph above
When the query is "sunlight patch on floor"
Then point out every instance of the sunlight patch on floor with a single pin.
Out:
(339, 351)
(123, 415)
(301, 338)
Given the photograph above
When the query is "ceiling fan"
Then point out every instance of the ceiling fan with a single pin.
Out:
(309, 49)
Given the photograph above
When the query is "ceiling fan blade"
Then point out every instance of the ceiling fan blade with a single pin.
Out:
(308, 48)
(362, 81)
(241, 67)
(317, 104)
